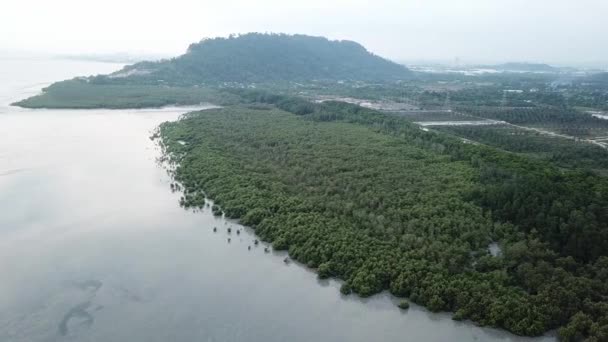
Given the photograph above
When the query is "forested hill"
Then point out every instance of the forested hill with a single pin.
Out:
(257, 57)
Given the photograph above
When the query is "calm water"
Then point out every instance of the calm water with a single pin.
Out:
(94, 247)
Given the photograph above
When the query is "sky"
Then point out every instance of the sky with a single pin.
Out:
(563, 32)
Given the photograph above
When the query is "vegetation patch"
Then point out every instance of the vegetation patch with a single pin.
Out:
(82, 94)
(567, 153)
(372, 199)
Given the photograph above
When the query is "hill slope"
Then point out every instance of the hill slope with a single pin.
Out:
(256, 57)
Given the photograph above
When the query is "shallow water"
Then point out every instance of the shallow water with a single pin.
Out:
(94, 246)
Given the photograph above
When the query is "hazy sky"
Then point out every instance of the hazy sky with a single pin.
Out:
(556, 31)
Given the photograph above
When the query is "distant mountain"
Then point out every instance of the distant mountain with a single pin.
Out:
(525, 67)
(257, 57)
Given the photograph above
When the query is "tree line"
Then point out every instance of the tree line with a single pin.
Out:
(374, 200)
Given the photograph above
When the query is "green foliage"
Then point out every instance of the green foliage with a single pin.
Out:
(562, 120)
(346, 289)
(373, 200)
(561, 151)
(260, 58)
(255, 216)
(324, 270)
(567, 210)
(404, 305)
(217, 211)
(81, 94)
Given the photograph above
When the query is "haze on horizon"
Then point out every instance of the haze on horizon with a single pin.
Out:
(561, 32)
